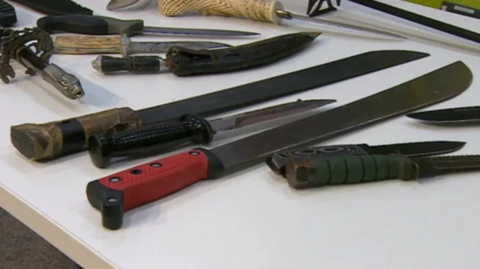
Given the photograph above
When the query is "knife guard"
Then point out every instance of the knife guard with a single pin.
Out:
(39, 142)
(81, 44)
(257, 10)
(187, 62)
(116, 194)
(343, 170)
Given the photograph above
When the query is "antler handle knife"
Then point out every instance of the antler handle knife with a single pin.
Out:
(80, 44)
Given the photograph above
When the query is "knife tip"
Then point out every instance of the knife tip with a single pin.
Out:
(313, 35)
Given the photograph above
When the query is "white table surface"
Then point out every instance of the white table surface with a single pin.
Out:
(251, 219)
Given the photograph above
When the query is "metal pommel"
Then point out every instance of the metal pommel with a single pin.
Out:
(66, 83)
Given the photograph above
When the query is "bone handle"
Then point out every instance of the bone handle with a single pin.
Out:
(80, 44)
(258, 10)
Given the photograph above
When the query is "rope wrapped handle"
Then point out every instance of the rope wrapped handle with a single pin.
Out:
(257, 10)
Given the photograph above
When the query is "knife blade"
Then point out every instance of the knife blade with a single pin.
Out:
(81, 44)
(161, 137)
(351, 169)
(278, 161)
(117, 193)
(460, 114)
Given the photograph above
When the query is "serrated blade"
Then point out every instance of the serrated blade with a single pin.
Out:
(449, 115)
(266, 114)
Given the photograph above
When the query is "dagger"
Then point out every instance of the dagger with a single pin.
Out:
(187, 62)
(101, 25)
(80, 44)
(119, 192)
(450, 115)
(191, 128)
(267, 11)
(278, 161)
(343, 170)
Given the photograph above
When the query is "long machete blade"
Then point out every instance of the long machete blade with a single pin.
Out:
(145, 183)
(428, 89)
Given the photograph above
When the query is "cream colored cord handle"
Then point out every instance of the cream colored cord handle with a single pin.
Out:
(79, 44)
(257, 10)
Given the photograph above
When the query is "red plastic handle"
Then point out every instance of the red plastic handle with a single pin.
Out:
(137, 186)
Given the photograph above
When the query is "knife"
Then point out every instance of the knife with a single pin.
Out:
(351, 169)
(450, 115)
(160, 137)
(117, 193)
(80, 44)
(101, 25)
(278, 161)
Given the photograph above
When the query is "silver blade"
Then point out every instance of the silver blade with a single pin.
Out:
(163, 47)
(266, 114)
(194, 32)
(340, 25)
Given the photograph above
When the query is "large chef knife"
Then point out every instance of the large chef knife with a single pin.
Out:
(114, 194)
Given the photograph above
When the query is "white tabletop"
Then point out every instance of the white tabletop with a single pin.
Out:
(251, 219)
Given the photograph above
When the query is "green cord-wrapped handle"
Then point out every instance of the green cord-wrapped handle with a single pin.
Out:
(348, 170)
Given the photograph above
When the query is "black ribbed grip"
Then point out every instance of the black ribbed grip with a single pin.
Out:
(348, 170)
(8, 16)
(150, 139)
(132, 64)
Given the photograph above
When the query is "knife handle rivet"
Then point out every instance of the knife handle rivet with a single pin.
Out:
(112, 200)
(194, 153)
(136, 172)
(156, 165)
(114, 179)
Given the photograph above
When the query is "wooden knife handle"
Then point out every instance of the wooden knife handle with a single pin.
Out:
(81, 44)
(258, 10)
(41, 142)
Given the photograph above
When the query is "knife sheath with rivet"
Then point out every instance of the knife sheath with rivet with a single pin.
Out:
(267, 11)
(278, 161)
(163, 137)
(119, 192)
(187, 62)
(80, 44)
(52, 140)
(345, 170)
